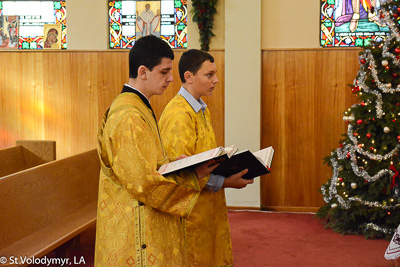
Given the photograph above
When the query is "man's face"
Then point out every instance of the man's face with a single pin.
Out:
(160, 77)
(147, 6)
(205, 79)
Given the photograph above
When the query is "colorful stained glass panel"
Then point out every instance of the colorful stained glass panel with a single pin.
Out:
(349, 23)
(130, 20)
(33, 15)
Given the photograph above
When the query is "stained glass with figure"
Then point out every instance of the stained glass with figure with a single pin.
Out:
(349, 23)
(33, 15)
(129, 20)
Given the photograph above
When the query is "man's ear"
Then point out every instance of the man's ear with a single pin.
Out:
(142, 72)
(188, 76)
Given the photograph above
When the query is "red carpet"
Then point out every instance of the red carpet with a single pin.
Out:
(282, 239)
(298, 239)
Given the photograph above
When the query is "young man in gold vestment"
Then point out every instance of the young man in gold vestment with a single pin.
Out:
(185, 127)
(139, 211)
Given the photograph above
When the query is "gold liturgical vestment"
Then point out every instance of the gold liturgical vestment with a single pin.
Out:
(139, 211)
(207, 229)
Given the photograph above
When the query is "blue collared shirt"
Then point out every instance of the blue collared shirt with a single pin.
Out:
(196, 105)
(216, 181)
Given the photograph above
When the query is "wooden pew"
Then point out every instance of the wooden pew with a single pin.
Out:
(26, 154)
(48, 205)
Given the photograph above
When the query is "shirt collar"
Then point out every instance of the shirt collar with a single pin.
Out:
(196, 105)
(131, 87)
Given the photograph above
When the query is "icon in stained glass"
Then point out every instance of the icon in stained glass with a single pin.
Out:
(349, 23)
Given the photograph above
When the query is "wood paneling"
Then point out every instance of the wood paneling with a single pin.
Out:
(304, 95)
(61, 95)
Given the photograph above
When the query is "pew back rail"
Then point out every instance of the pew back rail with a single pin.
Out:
(26, 154)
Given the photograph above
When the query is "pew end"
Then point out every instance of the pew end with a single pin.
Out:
(26, 154)
(44, 207)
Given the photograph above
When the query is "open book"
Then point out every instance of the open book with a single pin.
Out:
(257, 163)
(219, 154)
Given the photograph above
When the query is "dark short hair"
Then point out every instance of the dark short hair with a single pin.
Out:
(148, 51)
(192, 60)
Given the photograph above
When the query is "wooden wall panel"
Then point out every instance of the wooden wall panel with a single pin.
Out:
(304, 94)
(62, 95)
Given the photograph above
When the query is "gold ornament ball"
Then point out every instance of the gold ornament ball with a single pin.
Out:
(386, 129)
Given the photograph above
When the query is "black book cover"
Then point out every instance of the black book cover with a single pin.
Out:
(240, 161)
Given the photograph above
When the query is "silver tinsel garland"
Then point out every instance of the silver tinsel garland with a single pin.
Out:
(384, 87)
(342, 153)
(365, 88)
(366, 153)
(392, 26)
(379, 229)
(386, 52)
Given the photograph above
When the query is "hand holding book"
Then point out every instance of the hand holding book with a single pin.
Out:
(257, 163)
(205, 169)
(236, 180)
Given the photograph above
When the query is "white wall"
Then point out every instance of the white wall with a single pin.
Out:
(87, 25)
(290, 24)
(243, 88)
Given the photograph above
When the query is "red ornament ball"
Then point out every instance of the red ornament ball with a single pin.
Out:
(368, 135)
(395, 15)
(359, 122)
(363, 104)
(398, 138)
(394, 75)
(363, 61)
(397, 50)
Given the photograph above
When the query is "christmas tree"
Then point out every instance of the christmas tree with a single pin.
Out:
(362, 196)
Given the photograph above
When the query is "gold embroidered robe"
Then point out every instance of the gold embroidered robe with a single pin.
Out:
(139, 211)
(207, 229)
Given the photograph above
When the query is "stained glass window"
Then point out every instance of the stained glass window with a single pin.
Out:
(33, 15)
(130, 20)
(351, 23)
